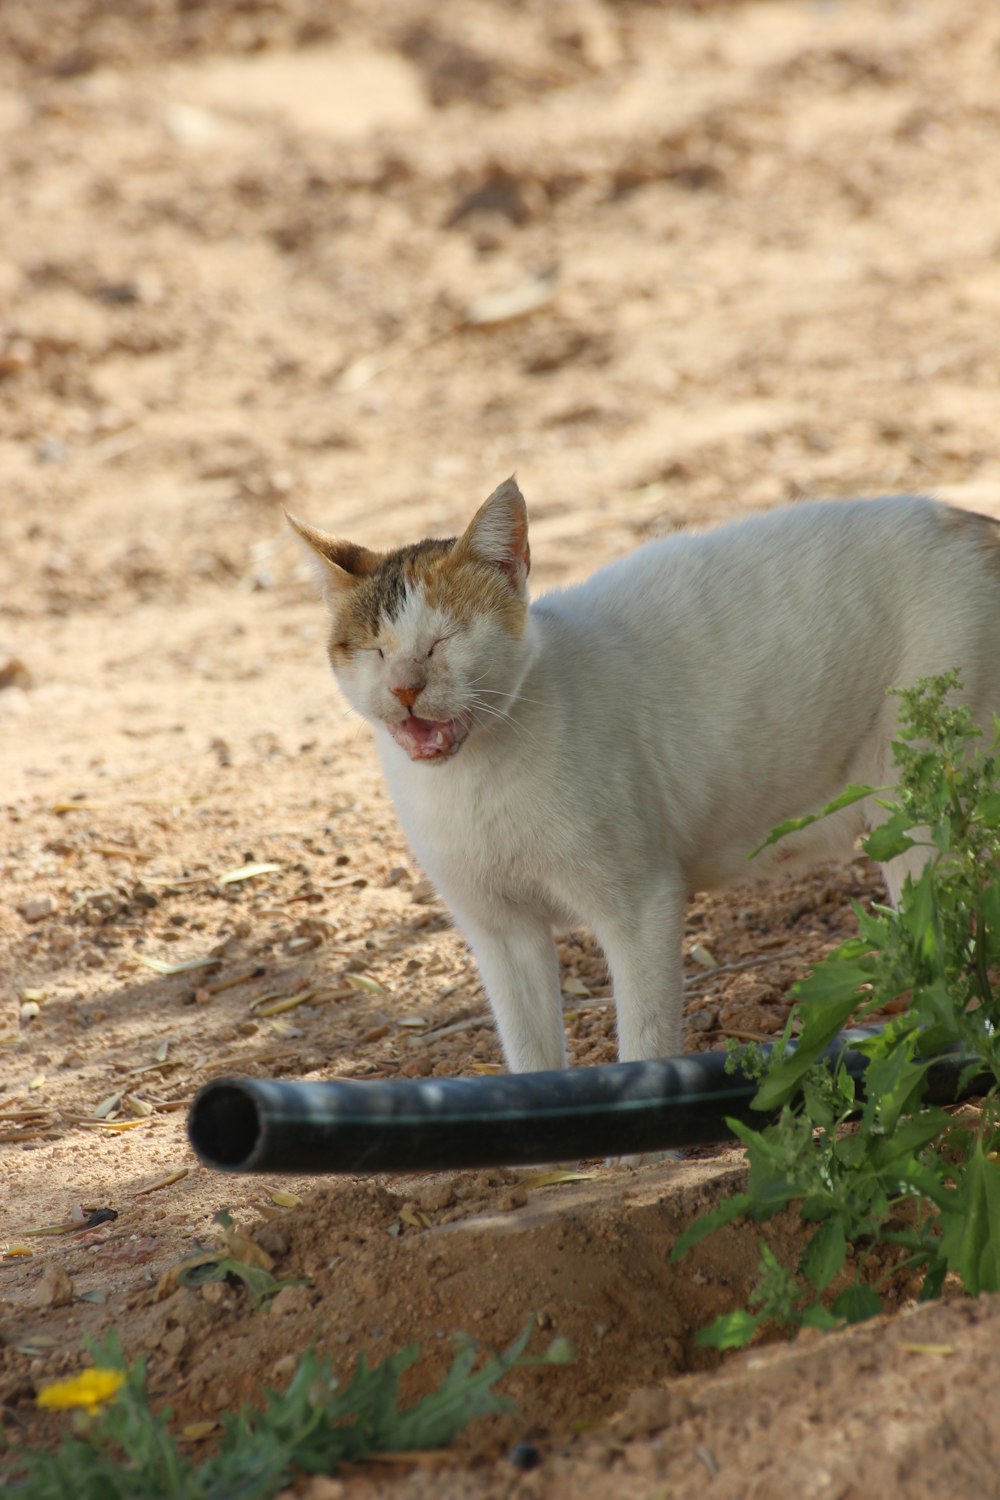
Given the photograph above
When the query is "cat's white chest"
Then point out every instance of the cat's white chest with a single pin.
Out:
(476, 824)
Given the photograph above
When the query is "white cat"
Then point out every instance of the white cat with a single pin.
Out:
(598, 756)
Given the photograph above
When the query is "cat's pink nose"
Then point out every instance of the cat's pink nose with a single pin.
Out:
(406, 695)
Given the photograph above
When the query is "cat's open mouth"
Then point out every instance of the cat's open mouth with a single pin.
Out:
(430, 739)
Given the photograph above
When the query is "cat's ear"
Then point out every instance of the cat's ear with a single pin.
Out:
(338, 564)
(498, 534)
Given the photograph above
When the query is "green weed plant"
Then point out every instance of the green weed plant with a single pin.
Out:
(127, 1452)
(868, 1161)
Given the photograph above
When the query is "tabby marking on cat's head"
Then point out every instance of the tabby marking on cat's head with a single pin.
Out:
(428, 640)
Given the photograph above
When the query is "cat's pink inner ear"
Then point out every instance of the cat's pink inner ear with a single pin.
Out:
(498, 533)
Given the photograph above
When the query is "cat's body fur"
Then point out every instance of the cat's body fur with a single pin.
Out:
(641, 732)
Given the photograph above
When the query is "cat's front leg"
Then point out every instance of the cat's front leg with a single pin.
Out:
(642, 943)
(519, 968)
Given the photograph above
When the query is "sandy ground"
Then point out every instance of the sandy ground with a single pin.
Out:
(669, 262)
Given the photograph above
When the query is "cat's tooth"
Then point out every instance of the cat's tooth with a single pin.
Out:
(440, 740)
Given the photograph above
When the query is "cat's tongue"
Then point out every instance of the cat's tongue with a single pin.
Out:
(429, 739)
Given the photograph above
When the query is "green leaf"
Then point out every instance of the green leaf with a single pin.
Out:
(849, 795)
(825, 1254)
(260, 1284)
(440, 1417)
(857, 1304)
(819, 1317)
(706, 1224)
(734, 1330)
(933, 1281)
(971, 1238)
(920, 918)
(894, 1084)
(889, 838)
(907, 1139)
(833, 990)
(988, 810)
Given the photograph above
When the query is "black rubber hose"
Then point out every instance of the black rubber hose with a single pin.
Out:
(422, 1125)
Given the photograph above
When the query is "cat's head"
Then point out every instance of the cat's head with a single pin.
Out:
(428, 640)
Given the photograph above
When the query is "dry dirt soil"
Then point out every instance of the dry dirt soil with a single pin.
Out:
(670, 262)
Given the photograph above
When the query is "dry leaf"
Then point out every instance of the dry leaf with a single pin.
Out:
(196, 1431)
(509, 307)
(415, 1023)
(40, 1344)
(552, 1179)
(179, 968)
(421, 1458)
(285, 1200)
(278, 1006)
(243, 1248)
(285, 1029)
(162, 1182)
(37, 1081)
(247, 872)
(487, 1069)
(107, 1107)
(413, 1217)
(940, 1349)
(574, 986)
(366, 983)
(699, 954)
(118, 851)
(219, 985)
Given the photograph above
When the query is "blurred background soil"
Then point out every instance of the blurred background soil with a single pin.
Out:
(670, 263)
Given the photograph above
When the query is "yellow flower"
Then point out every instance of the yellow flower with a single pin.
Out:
(91, 1388)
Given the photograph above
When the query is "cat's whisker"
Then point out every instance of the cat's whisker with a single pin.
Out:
(515, 697)
(476, 706)
(498, 714)
(518, 697)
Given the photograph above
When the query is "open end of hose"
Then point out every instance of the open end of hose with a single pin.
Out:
(227, 1116)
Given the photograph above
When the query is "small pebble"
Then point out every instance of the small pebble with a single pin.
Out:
(53, 1289)
(525, 1456)
(14, 673)
(37, 908)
